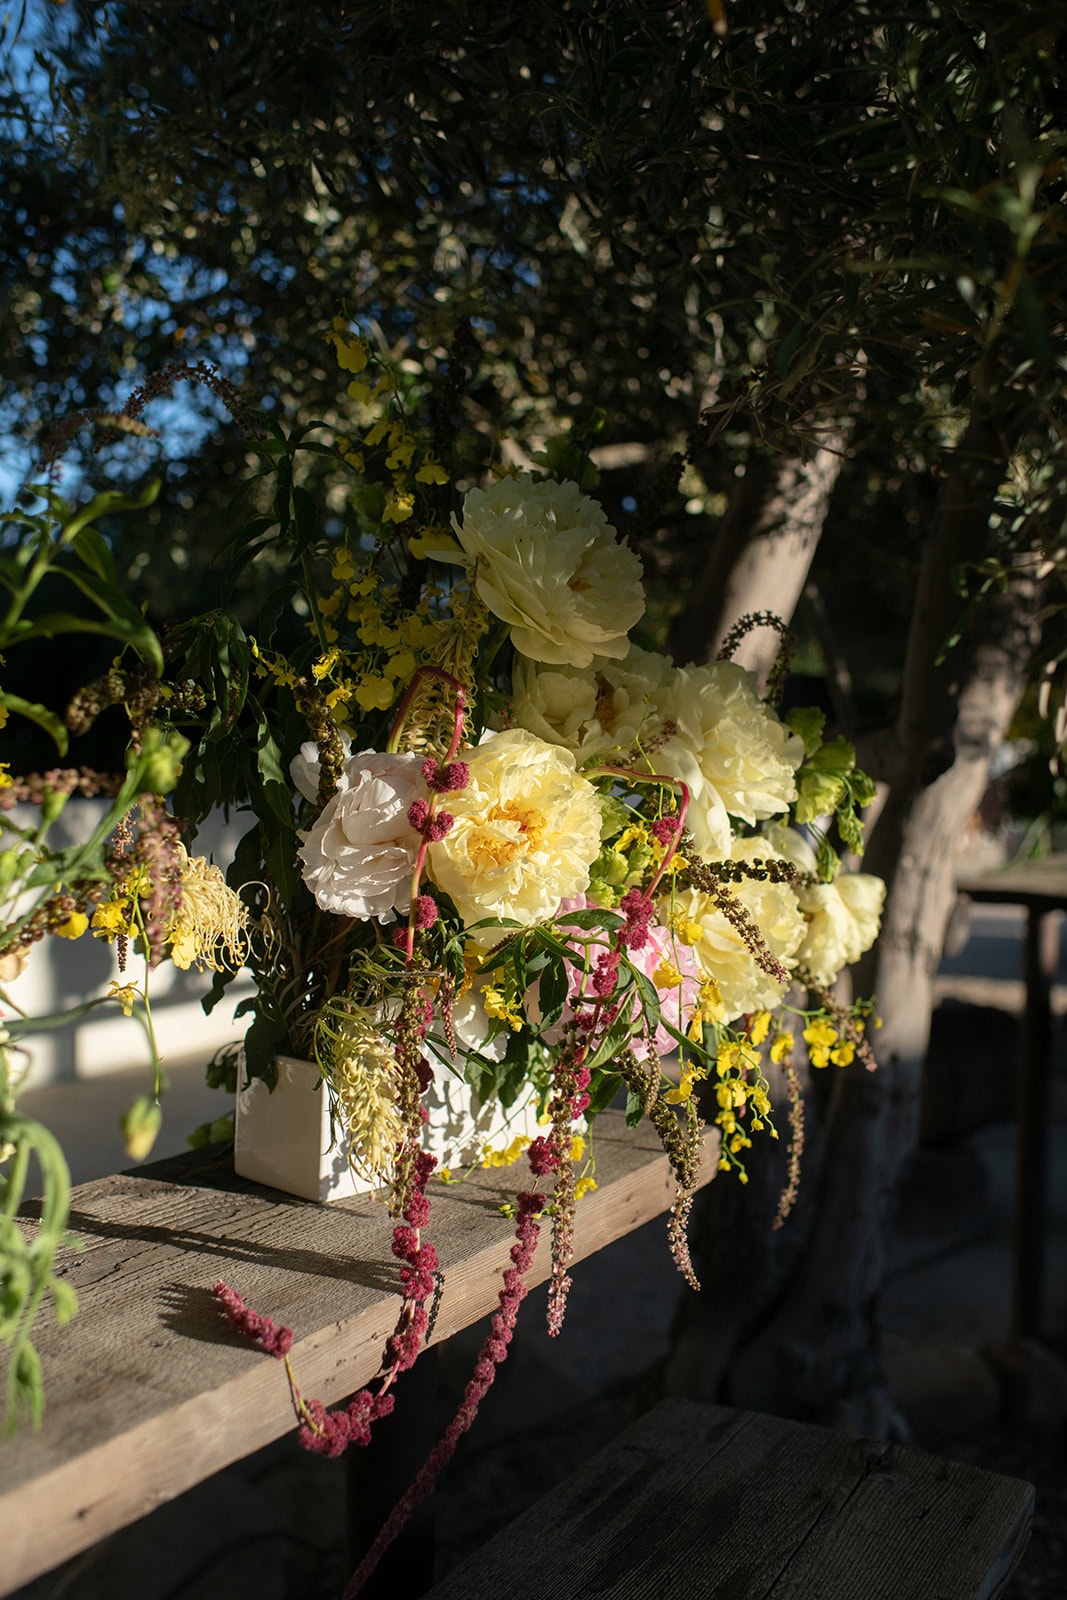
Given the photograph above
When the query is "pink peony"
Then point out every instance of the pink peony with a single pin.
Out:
(660, 959)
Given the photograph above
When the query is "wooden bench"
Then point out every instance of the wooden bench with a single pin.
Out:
(698, 1502)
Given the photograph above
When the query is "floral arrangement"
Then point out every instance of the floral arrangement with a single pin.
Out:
(493, 837)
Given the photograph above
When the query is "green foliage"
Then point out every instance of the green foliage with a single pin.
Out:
(58, 545)
(27, 1254)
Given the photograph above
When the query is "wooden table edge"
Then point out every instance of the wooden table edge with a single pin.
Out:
(62, 1512)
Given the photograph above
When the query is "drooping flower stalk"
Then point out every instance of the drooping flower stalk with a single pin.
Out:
(492, 1353)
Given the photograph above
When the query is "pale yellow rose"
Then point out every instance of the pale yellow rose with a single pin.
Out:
(737, 757)
(526, 831)
(721, 951)
(603, 708)
(843, 917)
(547, 562)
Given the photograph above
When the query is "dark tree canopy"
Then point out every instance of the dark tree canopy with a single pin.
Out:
(834, 216)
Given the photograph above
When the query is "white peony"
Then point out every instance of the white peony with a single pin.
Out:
(527, 829)
(736, 756)
(594, 711)
(359, 856)
(722, 952)
(843, 917)
(306, 765)
(547, 562)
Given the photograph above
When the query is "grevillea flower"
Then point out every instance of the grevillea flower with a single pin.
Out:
(211, 926)
(365, 1077)
(359, 856)
(526, 831)
(546, 561)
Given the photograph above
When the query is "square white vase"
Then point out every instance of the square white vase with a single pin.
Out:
(282, 1139)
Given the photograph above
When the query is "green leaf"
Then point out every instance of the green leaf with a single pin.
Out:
(261, 1044)
(64, 1300)
(306, 519)
(44, 718)
(808, 722)
(90, 547)
(827, 860)
(603, 1087)
(838, 758)
(138, 636)
(111, 500)
(552, 992)
(593, 917)
(616, 1039)
(276, 791)
(25, 1388)
(635, 1108)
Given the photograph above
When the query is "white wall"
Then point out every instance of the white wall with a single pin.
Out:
(62, 972)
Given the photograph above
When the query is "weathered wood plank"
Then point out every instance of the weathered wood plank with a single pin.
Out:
(149, 1392)
(697, 1502)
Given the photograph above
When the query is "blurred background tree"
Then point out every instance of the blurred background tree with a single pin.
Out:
(812, 270)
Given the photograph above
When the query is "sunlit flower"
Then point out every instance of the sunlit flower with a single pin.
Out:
(359, 856)
(526, 830)
(604, 707)
(547, 562)
(736, 756)
(843, 917)
(210, 929)
(721, 951)
(365, 1078)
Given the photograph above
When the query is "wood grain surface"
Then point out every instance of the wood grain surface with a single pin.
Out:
(698, 1502)
(149, 1391)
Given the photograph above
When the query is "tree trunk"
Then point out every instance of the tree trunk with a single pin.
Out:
(761, 555)
(814, 1352)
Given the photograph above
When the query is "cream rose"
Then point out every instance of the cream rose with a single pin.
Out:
(526, 830)
(547, 562)
(843, 917)
(359, 856)
(721, 950)
(736, 756)
(593, 711)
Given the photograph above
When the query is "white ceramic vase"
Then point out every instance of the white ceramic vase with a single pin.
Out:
(282, 1139)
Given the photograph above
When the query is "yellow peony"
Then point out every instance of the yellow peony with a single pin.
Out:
(547, 562)
(603, 708)
(526, 831)
(722, 953)
(737, 757)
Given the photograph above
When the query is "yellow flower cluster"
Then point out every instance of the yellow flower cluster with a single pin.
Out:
(394, 641)
(389, 433)
(499, 1008)
(709, 1008)
(826, 1044)
(506, 1155)
(742, 1084)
